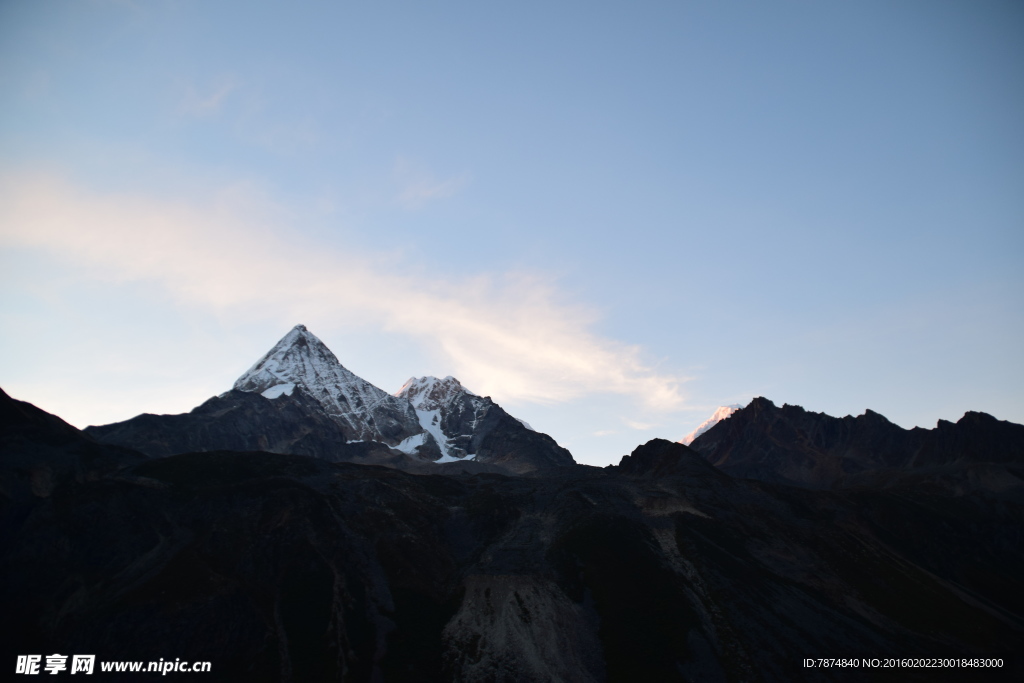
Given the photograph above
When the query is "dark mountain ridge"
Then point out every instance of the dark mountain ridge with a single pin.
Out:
(279, 567)
(244, 421)
(795, 446)
(41, 452)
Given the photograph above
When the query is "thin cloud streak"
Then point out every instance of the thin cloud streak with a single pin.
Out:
(419, 186)
(639, 426)
(195, 103)
(509, 336)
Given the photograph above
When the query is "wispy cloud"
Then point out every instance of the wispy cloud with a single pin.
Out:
(639, 426)
(204, 102)
(512, 336)
(419, 186)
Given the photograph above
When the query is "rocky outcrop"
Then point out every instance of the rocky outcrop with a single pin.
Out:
(500, 439)
(661, 458)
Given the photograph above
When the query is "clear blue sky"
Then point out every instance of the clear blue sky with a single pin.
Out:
(611, 217)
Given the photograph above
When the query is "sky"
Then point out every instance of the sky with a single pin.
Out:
(609, 217)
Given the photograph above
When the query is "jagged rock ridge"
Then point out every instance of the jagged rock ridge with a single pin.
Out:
(795, 446)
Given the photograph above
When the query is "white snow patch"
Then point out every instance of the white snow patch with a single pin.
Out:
(722, 413)
(279, 390)
(450, 458)
(526, 424)
(410, 444)
(430, 420)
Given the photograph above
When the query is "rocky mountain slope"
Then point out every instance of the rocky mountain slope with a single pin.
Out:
(298, 399)
(364, 412)
(289, 568)
(292, 423)
(465, 425)
(795, 446)
(39, 452)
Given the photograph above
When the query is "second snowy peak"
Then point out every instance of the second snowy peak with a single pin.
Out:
(446, 410)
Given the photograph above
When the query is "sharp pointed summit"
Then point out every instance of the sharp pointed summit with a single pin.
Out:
(365, 412)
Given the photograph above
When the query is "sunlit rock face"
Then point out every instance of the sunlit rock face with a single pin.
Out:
(289, 568)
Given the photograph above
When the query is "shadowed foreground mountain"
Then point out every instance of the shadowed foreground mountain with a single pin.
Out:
(290, 568)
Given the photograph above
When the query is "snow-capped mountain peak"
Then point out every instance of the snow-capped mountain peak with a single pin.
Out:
(722, 413)
(451, 413)
(428, 418)
(430, 393)
(299, 355)
(434, 400)
(301, 359)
